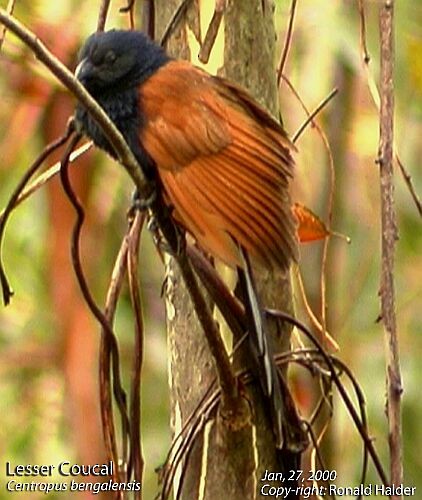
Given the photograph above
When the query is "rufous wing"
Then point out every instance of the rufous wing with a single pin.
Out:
(224, 164)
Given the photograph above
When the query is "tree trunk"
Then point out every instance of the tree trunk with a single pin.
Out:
(224, 463)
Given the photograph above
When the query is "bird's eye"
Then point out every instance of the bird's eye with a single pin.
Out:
(110, 57)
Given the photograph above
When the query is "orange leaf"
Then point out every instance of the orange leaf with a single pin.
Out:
(311, 227)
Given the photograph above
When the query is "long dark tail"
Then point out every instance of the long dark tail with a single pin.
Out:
(284, 417)
(261, 350)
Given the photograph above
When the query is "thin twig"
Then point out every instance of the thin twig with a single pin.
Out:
(46, 176)
(136, 459)
(129, 8)
(174, 21)
(342, 391)
(329, 218)
(405, 174)
(315, 444)
(102, 14)
(212, 31)
(388, 240)
(287, 42)
(48, 150)
(373, 89)
(116, 283)
(322, 431)
(314, 320)
(319, 406)
(408, 180)
(330, 203)
(148, 18)
(363, 44)
(232, 402)
(311, 116)
(229, 306)
(10, 8)
(362, 404)
(119, 393)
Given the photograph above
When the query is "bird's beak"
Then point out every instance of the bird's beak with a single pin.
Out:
(83, 69)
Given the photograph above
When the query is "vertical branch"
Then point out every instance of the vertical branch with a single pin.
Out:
(129, 9)
(137, 461)
(388, 239)
(102, 14)
(212, 31)
(287, 42)
(364, 47)
(148, 18)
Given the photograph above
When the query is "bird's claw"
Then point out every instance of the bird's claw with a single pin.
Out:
(139, 203)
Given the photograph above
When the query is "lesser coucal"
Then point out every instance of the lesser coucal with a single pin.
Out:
(223, 163)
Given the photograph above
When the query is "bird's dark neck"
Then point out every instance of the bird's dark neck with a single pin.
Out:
(120, 97)
(152, 59)
(125, 110)
(122, 109)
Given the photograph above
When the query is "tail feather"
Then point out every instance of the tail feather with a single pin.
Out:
(261, 349)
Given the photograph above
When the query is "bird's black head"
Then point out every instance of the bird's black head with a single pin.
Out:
(117, 60)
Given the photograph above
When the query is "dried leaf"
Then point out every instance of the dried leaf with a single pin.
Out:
(311, 227)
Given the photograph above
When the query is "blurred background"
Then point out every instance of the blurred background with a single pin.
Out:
(49, 341)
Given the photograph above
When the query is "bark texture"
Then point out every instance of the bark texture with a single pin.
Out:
(389, 237)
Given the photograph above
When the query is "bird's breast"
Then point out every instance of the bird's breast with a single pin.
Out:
(124, 109)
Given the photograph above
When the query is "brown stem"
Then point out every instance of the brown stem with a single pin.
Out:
(136, 461)
(375, 96)
(232, 403)
(287, 42)
(10, 8)
(102, 14)
(174, 21)
(341, 389)
(229, 306)
(119, 393)
(50, 148)
(129, 9)
(148, 18)
(330, 203)
(388, 240)
(113, 292)
(311, 116)
(408, 180)
(212, 31)
(227, 379)
(46, 176)
(364, 46)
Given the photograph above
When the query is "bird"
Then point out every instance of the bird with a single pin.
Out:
(223, 163)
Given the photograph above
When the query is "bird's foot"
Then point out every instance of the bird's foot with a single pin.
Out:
(142, 204)
(159, 235)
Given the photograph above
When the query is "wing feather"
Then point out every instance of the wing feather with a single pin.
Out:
(271, 206)
(203, 224)
(224, 163)
(245, 226)
(229, 218)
